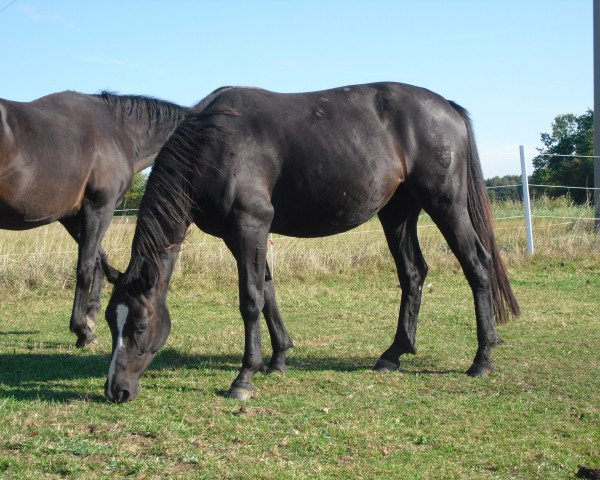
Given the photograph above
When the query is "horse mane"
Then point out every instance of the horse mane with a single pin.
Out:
(141, 108)
(166, 207)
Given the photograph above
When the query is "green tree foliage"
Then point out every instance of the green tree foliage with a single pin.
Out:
(133, 197)
(571, 135)
(503, 188)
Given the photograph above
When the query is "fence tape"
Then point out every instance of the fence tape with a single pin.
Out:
(544, 186)
(572, 155)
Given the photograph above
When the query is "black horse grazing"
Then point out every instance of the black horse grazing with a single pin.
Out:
(308, 165)
(70, 157)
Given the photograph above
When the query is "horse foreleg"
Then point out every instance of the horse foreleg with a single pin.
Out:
(280, 340)
(94, 223)
(248, 243)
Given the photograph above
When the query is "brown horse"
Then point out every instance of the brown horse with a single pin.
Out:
(309, 165)
(70, 157)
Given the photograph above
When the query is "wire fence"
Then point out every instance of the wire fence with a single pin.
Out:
(126, 215)
(132, 212)
(542, 220)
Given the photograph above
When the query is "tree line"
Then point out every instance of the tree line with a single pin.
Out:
(565, 159)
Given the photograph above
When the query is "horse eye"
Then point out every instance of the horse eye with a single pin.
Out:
(140, 327)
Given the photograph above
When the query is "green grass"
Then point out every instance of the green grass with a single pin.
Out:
(330, 416)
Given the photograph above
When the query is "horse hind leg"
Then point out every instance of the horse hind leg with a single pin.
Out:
(399, 220)
(280, 340)
(95, 221)
(94, 304)
(455, 224)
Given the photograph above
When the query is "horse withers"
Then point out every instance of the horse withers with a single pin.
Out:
(308, 165)
(70, 157)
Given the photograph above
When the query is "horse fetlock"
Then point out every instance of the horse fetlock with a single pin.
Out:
(408, 348)
(86, 338)
(90, 321)
(86, 332)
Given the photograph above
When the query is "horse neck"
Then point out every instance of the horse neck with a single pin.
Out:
(148, 138)
(147, 122)
(163, 221)
(153, 274)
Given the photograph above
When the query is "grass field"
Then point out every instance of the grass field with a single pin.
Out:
(537, 417)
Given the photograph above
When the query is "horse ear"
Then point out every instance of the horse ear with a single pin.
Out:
(5, 131)
(112, 274)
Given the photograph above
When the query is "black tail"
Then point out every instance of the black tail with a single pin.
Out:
(480, 211)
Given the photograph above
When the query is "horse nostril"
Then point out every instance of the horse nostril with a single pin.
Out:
(122, 396)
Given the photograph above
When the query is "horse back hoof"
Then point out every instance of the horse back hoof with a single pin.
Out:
(478, 370)
(385, 366)
(241, 393)
(271, 369)
(86, 341)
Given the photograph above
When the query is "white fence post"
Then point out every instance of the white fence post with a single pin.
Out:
(526, 204)
(272, 252)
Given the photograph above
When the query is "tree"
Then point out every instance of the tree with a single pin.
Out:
(133, 197)
(571, 135)
(507, 190)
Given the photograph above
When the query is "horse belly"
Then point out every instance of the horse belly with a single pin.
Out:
(331, 208)
(22, 209)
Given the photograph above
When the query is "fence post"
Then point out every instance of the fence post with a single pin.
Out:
(526, 204)
(596, 23)
(272, 252)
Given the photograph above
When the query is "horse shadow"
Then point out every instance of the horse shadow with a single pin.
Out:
(53, 376)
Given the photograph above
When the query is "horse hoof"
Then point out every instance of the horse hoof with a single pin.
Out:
(385, 366)
(477, 370)
(241, 393)
(86, 340)
(271, 369)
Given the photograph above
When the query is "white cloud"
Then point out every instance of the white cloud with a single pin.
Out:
(36, 16)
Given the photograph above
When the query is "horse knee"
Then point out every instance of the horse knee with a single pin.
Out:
(412, 281)
(251, 306)
(85, 274)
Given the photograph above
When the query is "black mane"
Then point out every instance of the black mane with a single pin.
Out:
(165, 210)
(127, 107)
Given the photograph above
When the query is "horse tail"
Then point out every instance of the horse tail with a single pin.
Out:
(480, 212)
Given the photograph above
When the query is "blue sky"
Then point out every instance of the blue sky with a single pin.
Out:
(514, 65)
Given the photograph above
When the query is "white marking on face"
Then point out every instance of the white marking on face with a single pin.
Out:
(122, 311)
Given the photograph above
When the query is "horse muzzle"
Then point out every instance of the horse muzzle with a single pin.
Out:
(121, 392)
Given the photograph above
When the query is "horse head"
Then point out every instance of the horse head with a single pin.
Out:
(140, 323)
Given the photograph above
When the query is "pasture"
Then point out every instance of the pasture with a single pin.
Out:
(330, 416)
